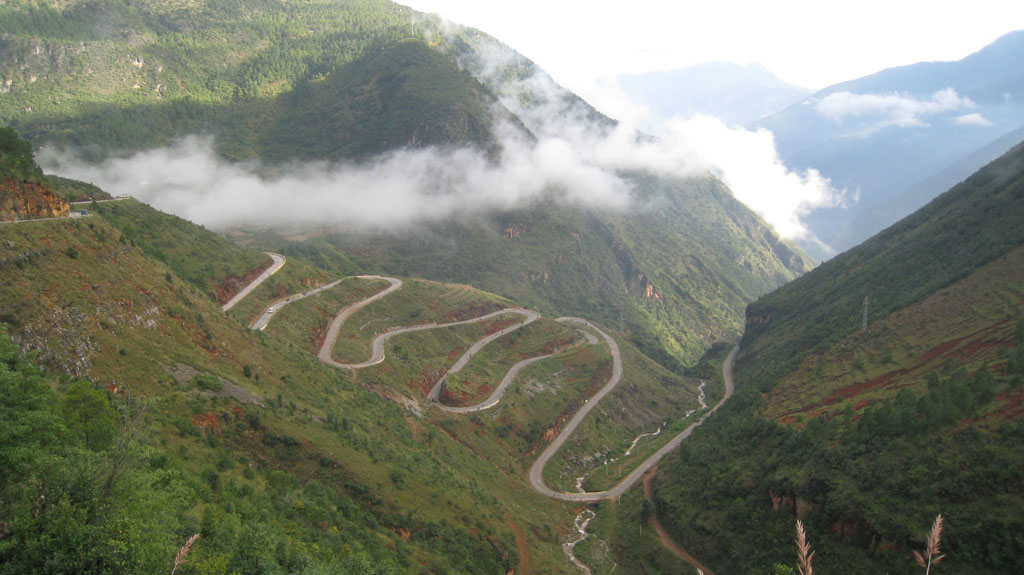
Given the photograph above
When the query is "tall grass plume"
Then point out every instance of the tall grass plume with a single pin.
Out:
(932, 554)
(179, 560)
(804, 553)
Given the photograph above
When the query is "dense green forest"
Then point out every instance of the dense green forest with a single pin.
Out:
(16, 159)
(276, 80)
(867, 484)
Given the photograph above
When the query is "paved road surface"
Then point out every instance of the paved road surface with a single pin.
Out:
(531, 316)
(261, 322)
(278, 262)
(536, 474)
(537, 470)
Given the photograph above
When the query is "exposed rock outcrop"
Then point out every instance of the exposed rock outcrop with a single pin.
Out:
(796, 505)
(515, 231)
(758, 318)
(30, 201)
(649, 291)
(231, 285)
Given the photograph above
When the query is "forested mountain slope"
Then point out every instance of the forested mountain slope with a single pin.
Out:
(867, 435)
(348, 81)
(116, 77)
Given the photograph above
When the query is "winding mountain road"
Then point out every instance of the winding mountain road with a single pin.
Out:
(276, 265)
(261, 322)
(593, 334)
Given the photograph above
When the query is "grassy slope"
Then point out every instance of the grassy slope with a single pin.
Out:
(295, 277)
(869, 435)
(129, 319)
(966, 228)
(205, 260)
(110, 311)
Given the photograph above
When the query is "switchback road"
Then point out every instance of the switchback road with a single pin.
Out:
(593, 334)
(276, 265)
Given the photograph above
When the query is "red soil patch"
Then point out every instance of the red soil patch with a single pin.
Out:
(447, 397)
(878, 382)
(426, 381)
(233, 284)
(521, 546)
(1014, 405)
(964, 348)
(969, 350)
(470, 311)
(208, 422)
(666, 539)
(498, 325)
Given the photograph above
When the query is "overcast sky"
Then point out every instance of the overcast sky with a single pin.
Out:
(810, 43)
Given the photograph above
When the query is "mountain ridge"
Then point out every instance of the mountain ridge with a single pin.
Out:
(880, 135)
(738, 95)
(866, 418)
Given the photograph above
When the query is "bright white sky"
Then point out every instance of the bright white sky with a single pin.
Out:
(810, 43)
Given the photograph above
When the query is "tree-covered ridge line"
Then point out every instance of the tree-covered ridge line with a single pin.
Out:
(867, 435)
(17, 162)
(114, 76)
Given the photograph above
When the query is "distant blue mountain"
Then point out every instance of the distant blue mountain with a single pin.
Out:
(733, 93)
(896, 139)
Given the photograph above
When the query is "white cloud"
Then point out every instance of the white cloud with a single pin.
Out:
(747, 161)
(972, 120)
(890, 109)
(392, 192)
(572, 157)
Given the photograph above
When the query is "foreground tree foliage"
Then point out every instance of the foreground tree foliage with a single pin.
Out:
(81, 492)
(16, 159)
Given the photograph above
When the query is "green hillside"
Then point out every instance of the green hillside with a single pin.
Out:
(325, 79)
(868, 435)
(957, 233)
(240, 437)
(129, 296)
(337, 81)
(281, 463)
(675, 271)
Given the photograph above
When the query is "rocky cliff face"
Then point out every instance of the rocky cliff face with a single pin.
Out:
(29, 201)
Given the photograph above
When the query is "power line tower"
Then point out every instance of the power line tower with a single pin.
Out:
(865, 327)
